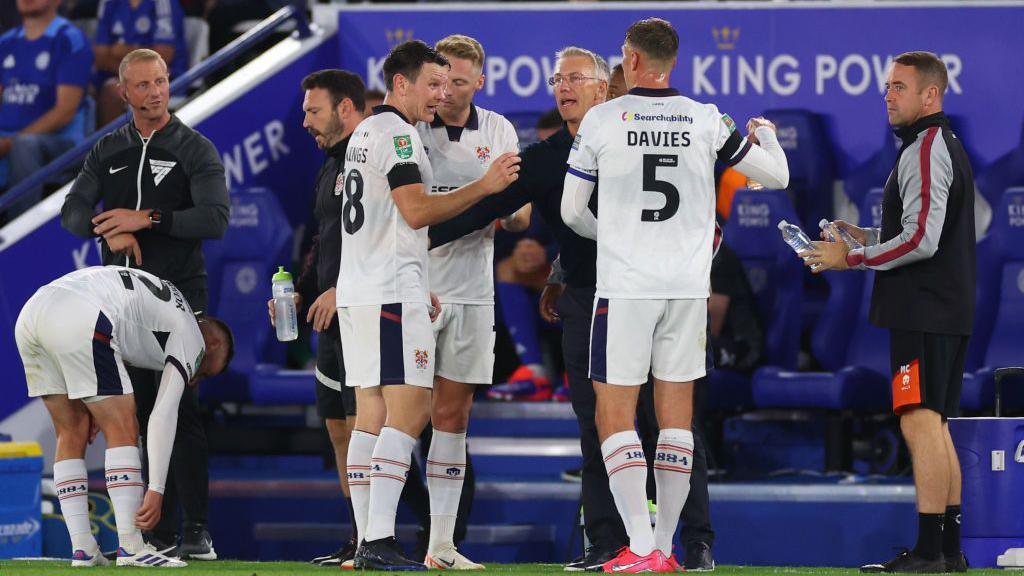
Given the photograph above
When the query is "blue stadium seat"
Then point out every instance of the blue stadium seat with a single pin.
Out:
(858, 358)
(269, 384)
(258, 239)
(804, 137)
(728, 391)
(874, 172)
(774, 272)
(1005, 172)
(958, 124)
(1000, 306)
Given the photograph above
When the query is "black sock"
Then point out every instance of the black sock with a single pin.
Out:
(352, 517)
(951, 532)
(929, 536)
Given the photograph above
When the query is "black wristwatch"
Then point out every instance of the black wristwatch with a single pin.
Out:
(156, 217)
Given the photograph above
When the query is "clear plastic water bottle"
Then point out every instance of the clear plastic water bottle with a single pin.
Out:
(284, 306)
(795, 237)
(843, 234)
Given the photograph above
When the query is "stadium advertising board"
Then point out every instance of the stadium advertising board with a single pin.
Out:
(831, 60)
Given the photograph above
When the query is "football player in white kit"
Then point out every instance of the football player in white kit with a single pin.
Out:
(653, 152)
(75, 336)
(461, 143)
(382, 294)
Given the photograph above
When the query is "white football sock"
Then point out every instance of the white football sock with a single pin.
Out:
(673, 463)
(389, 469)
(627, 479)
(72, 482)
(126, 488)
(446, 472)
(360, 450)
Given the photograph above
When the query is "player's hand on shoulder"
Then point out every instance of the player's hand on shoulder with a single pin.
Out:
(502, 173)
(755, 123)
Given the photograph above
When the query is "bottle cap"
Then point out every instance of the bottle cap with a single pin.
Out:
(783, 224)
(282, 275)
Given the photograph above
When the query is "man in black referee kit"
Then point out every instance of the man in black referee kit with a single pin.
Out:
(924, 258)
(332, 107)
(163, 191)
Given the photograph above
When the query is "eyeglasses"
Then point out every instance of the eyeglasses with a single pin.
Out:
(573, 79)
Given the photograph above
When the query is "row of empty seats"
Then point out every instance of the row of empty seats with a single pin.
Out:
(854, 352)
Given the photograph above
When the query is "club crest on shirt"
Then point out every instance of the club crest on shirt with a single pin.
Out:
(339, 184)
(9, 61)
(729, 123)
(422, 358)
(483, 153)
(403, 147)
(142, 24)
(43, 60)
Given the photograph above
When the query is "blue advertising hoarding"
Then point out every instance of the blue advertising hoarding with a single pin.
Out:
(829, 59)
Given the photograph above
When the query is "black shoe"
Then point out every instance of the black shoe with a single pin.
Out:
(908, 562)
(384, 554)
(698, 558)
(339, 556)
(957, 563)
(593, 560)
(196, 543)
(168, 546)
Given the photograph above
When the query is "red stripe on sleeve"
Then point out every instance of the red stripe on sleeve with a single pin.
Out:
(922, 216)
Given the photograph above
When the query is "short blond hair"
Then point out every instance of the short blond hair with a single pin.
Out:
(461, 46)
(140, 55)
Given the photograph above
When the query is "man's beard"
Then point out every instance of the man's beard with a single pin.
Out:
(335, 127)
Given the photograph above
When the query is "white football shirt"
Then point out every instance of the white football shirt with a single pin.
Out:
(462, 271)
(383, 260)
(652, 153)
(154, 323)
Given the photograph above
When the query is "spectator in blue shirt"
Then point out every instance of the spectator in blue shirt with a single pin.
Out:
(126, 25)
(44, 71)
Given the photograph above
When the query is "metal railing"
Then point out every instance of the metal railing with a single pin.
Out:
(215, 62)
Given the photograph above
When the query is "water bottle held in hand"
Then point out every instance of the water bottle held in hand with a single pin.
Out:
(825, 225)
(795, 237)
(284, 306)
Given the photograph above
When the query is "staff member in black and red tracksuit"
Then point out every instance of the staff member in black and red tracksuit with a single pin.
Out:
(163, 191)
(924, 294)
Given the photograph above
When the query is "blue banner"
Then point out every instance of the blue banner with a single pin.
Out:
(831, 60)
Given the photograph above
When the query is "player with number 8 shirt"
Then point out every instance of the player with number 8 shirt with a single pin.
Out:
(382, 294)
